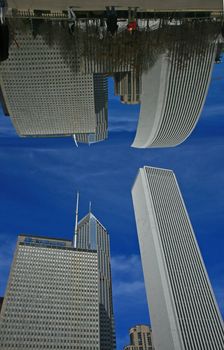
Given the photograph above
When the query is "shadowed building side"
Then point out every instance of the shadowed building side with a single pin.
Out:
(128, 86)
(1, 302)
(91, 234)
(101, 112)
(183, 310)
(174, 92)
(2, 102)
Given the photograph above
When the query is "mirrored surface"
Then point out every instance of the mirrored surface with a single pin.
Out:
(110, 77)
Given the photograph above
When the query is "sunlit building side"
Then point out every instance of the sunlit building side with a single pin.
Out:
(173, 95)
(52, 298)
(91, 234)
(183, 311)
(140, 338)
(45, 97)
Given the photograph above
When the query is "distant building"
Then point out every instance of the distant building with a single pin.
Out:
(183, 311)
(128, 86)
(140, 338)
(52, 299)
(173, 95)
(91, 234)
(45, 97)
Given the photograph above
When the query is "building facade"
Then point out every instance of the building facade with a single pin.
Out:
(140, 338)
(174, 90)
(44, 96)
(91, 234)
(128, 86)
(183, 310)
(101, 110)
(51, 301)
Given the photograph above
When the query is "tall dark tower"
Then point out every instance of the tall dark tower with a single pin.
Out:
(91, 234)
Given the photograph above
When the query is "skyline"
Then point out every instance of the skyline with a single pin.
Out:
(162, 72)
(41, 159)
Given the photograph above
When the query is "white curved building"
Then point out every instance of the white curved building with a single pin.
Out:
(173, 95)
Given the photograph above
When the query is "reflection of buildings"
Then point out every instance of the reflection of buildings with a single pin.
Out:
(173, 95)
(140, 338)
(101, 110)
(91, 234)
(1, 301)
(183, 309)
(52, 297)
(128, 86)
(45, 97)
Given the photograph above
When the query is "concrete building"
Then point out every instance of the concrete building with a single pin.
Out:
(183, 310)
(140, 338)
(173, 94)
(45, 97)
(128, 86)
(52, 299)
(91, 234)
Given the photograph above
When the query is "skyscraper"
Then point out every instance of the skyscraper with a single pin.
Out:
(183, 310)
(173, 93)
(45, 97)
(91, 234)
(128, 86)
(51, 301)
(140, 338)
(101, 109)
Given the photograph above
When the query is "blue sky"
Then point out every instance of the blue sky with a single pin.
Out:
(39, 179)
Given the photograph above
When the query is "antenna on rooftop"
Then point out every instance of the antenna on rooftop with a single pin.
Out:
(76, 220)
(90, 207)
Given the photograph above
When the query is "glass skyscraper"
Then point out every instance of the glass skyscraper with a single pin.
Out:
(91, 234)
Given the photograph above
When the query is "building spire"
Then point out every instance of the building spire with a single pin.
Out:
(76, 220)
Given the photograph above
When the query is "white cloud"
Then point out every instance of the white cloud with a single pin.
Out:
(123, 263)
(127, 276)
(128, 289)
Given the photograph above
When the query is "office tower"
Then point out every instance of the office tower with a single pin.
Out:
(51, 301)
(45, 97)
(91, 234)
(174, 90)
(140, 338)
(128, 86)
(101, 109)
(183, 310)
